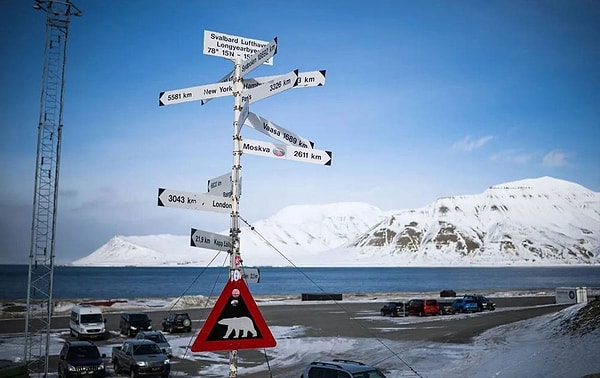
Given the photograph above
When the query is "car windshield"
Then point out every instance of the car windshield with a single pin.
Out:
(156, 337)
(138, 317)
(83, 353)
(369, 374)
(91, 318)
(147, 349)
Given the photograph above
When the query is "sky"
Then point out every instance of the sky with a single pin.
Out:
(422, 100)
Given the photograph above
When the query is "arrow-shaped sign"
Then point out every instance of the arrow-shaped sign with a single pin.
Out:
(232, 46)
(194, 201)
(282, 151)
(275, 131)
(201, 92)
(259, 57)
(210, 240)
(223, 185)
(273, 87)
(305, 80)
(244, 113)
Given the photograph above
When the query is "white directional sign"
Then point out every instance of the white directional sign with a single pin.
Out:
(305, 79)
(222, 186)
(210, 240)
(275, 131)
(282, 151)
(201, 92)
(193, 201)
(232, 46)
(244, 113)
(251, 275)
(259, 57)
(271, 88)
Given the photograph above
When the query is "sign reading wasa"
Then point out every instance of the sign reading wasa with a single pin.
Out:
(281, 151)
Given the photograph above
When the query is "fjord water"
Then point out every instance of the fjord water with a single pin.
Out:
(146, 282)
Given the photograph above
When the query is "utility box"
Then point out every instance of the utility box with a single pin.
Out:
(571, 295)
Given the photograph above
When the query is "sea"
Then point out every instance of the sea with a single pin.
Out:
(71, 282)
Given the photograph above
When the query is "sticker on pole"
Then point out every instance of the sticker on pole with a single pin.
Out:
(234, 323)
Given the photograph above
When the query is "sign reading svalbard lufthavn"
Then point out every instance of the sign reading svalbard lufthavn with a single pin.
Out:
(232, 46)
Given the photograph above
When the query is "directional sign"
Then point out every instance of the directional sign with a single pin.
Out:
(210, 240)
(305, 79)
(221, 185)
(232, 46)
(282, 151)
(269, 128)
(244, 113)
(194, 201)
(235, 322)
(201, 92)
(251, 275)
(271, 88)
(259, 57)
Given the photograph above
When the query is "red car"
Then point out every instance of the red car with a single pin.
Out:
(423, 307)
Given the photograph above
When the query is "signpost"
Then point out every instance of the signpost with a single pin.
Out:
(282, 151)
(232, 46)
(210, 240)
(193, 201)
(269, 128)
(235, 321)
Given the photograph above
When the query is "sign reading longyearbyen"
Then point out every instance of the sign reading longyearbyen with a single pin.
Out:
(232, 46)
(281, 151)
(193, 201)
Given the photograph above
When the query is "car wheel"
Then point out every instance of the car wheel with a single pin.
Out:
(382, 313)
(420, 313)
(116, 367)
(132, 373)
(187, 322)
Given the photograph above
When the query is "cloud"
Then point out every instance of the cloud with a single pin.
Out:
(555, 159)
(468, 144)
(513, 156)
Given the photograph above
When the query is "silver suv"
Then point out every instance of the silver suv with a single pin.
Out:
(340, 369)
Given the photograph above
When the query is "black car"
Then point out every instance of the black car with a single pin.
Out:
(131, 324)
(177, 322)
(340, 369)
(80, 359)
(483, 303)
(393, 309)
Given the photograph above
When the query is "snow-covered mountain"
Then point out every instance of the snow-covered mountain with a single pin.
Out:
(542, 221)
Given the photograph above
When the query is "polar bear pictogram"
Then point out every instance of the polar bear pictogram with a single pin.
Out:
(239, 327)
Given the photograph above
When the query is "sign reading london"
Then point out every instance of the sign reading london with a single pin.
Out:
(232, 46)
(193, 201)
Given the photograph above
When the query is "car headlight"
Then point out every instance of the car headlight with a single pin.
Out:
(169, 351)
(141, 363)
(132, 327)
(71, 367)
(167, 361)
(101, 367)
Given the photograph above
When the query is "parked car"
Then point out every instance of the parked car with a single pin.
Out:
(446, 308)
(447, 293)
(131, 324)
(482, 302)
(80, 359)
(423, 307)
(465, 305)
(140, 357)
(177, 322)
(393, 309)
(158, 338)
(340, 369)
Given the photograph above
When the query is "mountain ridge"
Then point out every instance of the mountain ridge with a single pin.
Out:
(542, 221)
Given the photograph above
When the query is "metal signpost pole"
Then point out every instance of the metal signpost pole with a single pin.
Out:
(235, 259)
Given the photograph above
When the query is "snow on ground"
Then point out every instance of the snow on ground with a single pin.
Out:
(534, 347)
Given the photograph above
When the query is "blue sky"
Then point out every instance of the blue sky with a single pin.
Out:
(422, 100)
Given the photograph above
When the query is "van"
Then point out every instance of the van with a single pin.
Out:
(87, 321)
(423, 307)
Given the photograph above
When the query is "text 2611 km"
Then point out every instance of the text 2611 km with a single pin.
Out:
(174, 198)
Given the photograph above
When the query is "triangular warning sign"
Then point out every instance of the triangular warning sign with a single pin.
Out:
(234, 323)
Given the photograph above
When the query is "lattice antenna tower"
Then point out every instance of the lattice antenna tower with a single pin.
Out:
(41, 254)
